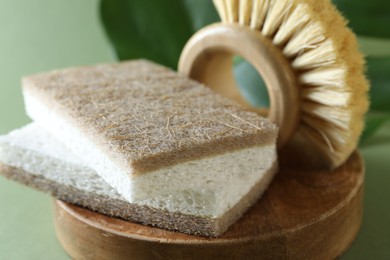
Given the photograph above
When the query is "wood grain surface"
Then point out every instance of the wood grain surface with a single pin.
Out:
(305, 214)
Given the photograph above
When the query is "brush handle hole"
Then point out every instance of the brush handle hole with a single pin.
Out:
(251, 85)
(207, 58)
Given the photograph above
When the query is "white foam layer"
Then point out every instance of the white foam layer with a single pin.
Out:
(206, 187)
(35, 151)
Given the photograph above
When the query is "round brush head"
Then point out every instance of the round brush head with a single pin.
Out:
(328, 68)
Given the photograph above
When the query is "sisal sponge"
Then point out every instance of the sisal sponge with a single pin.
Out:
(160, 139)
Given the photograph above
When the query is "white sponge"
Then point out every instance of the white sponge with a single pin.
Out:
(201, 203)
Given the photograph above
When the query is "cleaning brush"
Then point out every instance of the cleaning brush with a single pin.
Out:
(328, 68)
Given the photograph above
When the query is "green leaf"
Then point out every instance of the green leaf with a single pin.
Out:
(379, 75)
(374, 121)
(156, 30)
(201, 12)
(367, 17)
(374, 47)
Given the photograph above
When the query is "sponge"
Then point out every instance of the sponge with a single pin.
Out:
(33, 157)
(161, 140)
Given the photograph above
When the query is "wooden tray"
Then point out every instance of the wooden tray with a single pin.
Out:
(305, 214)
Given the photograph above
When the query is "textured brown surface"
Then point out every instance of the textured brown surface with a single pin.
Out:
(305, 214)
(146, 116)
(202, 226)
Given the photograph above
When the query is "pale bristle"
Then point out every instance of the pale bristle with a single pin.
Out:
(307, 38)
(221, 8)
(313, 37)
(245, 12)
(293, 23)
(323, 55)
(322, 95)
(232, 9)
(260, 9)
(324, 76)
(336, 115)
(277, 11)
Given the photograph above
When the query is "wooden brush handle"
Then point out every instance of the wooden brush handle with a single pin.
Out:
(207, 58)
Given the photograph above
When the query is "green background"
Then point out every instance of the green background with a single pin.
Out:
(41, 35)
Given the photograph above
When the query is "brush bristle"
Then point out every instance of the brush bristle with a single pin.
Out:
(329, 67)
